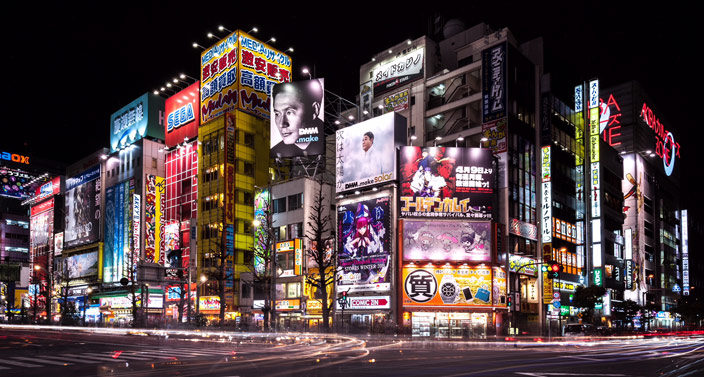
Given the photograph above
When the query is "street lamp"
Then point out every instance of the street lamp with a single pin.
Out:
(482, 140)
(203, 279)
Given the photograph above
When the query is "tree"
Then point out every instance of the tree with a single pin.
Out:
(262, 265)
(322, 255)
(624, 312)
(587, 298)
(64, 279)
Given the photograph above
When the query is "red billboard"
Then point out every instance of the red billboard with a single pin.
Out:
(182, 115)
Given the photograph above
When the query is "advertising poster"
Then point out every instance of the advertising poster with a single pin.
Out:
(118, 231)
(315, 296)
(141, 117)
(296, 125)
(12, 183)
(48, 189)
(522, 265)
(446, 241)
(82, 208)
(452, 286)
(154, 220)
(172, 247)
(41, 228)
(239, 72)
(82, 265)
(398, 71)
(498, 289)
(182, 115)
(364, 244)
(366, 152)
(396, 102)
(261, 233)
(446, 182)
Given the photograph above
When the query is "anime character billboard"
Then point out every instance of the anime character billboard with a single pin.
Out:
(364, 245)
(446, 241)
(446, 182)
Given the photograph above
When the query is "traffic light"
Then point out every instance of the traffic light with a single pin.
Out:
(509, 300)
(344, 294)
(554, 270)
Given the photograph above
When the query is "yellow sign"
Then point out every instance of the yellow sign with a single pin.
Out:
(547, 289)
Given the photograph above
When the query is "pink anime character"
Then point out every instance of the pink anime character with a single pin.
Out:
(362, 237)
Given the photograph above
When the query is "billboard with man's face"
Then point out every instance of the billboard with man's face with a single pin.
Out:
(446, 182)
(297, 127)
(366, 152)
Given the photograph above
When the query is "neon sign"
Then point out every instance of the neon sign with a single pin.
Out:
(610, 121)
(14, 157)
(665, 145)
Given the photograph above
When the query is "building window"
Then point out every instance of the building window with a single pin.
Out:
(249, 139)
(280, 205)
(296, 230)
(295, 201)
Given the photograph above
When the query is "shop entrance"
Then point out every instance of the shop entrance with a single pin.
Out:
(445, 325)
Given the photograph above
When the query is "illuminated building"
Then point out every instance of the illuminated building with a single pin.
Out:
(473, 87)
(237, 74)
(653, 227)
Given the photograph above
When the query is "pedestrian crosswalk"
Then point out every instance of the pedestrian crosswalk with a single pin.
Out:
(61, 359)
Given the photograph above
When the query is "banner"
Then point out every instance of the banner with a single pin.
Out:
(446, 241)
(364, 244)
(153, 219)
(446, 182)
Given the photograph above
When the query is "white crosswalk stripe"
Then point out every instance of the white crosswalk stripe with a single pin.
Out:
(41, 360)
(72, 359)
(19, 364)
(149, 354)
(83, 356)
(115, 356)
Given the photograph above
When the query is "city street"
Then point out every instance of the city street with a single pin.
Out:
(54, 351)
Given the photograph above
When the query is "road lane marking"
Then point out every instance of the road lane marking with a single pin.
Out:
(18, 364)
(36, 360)
(90, 357)
(73, 359)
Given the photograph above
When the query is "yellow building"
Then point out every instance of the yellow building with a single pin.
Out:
(233, 157)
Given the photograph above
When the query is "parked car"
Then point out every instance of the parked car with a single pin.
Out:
(577, 329)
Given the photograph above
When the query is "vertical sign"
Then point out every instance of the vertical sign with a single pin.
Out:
(546, 206)
(494, 82)
(595, 181)
(136, 215)
(685, 254)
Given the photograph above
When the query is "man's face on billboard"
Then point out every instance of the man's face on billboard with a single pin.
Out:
(366, 143)
(289, 113)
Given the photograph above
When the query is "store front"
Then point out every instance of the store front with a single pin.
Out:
(450, 325)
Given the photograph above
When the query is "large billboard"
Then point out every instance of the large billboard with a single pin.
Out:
(182, 115)
(82, 265)
(154, 201)
(118, 231)
(141, 117)
(238, 73)
(463, 286)
(41, 228)
(82, 208)
(364, 245)
(50, 188)
(446, 182)
(12, 183)
(398, 71)
(366, 152)
(297, 127)
(446, 241)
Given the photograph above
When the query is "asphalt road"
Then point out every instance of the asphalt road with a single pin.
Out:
(72, 352)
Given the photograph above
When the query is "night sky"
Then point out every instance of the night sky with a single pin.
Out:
(69, 66)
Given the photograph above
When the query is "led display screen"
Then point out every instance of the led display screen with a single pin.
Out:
(296, 126)
(82, 208)
(446, 241)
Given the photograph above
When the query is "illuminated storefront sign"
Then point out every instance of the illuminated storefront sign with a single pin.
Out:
(209, 303)
(367, 303)
(494, 82)
(598, 277)
(523, 229)
(610, 121)
(446, 182)
(289, 304)
(453, 286)
(182, 115)
(12, 183)
(399, 71)
(294, 248)
(396, 102)
(14, 157)
(239, 72)
(564, 230)
(48, 189)
(685, 253)
(141, 117)
(665, 145)
(546, 190)
(522, 265)
(261, 233)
